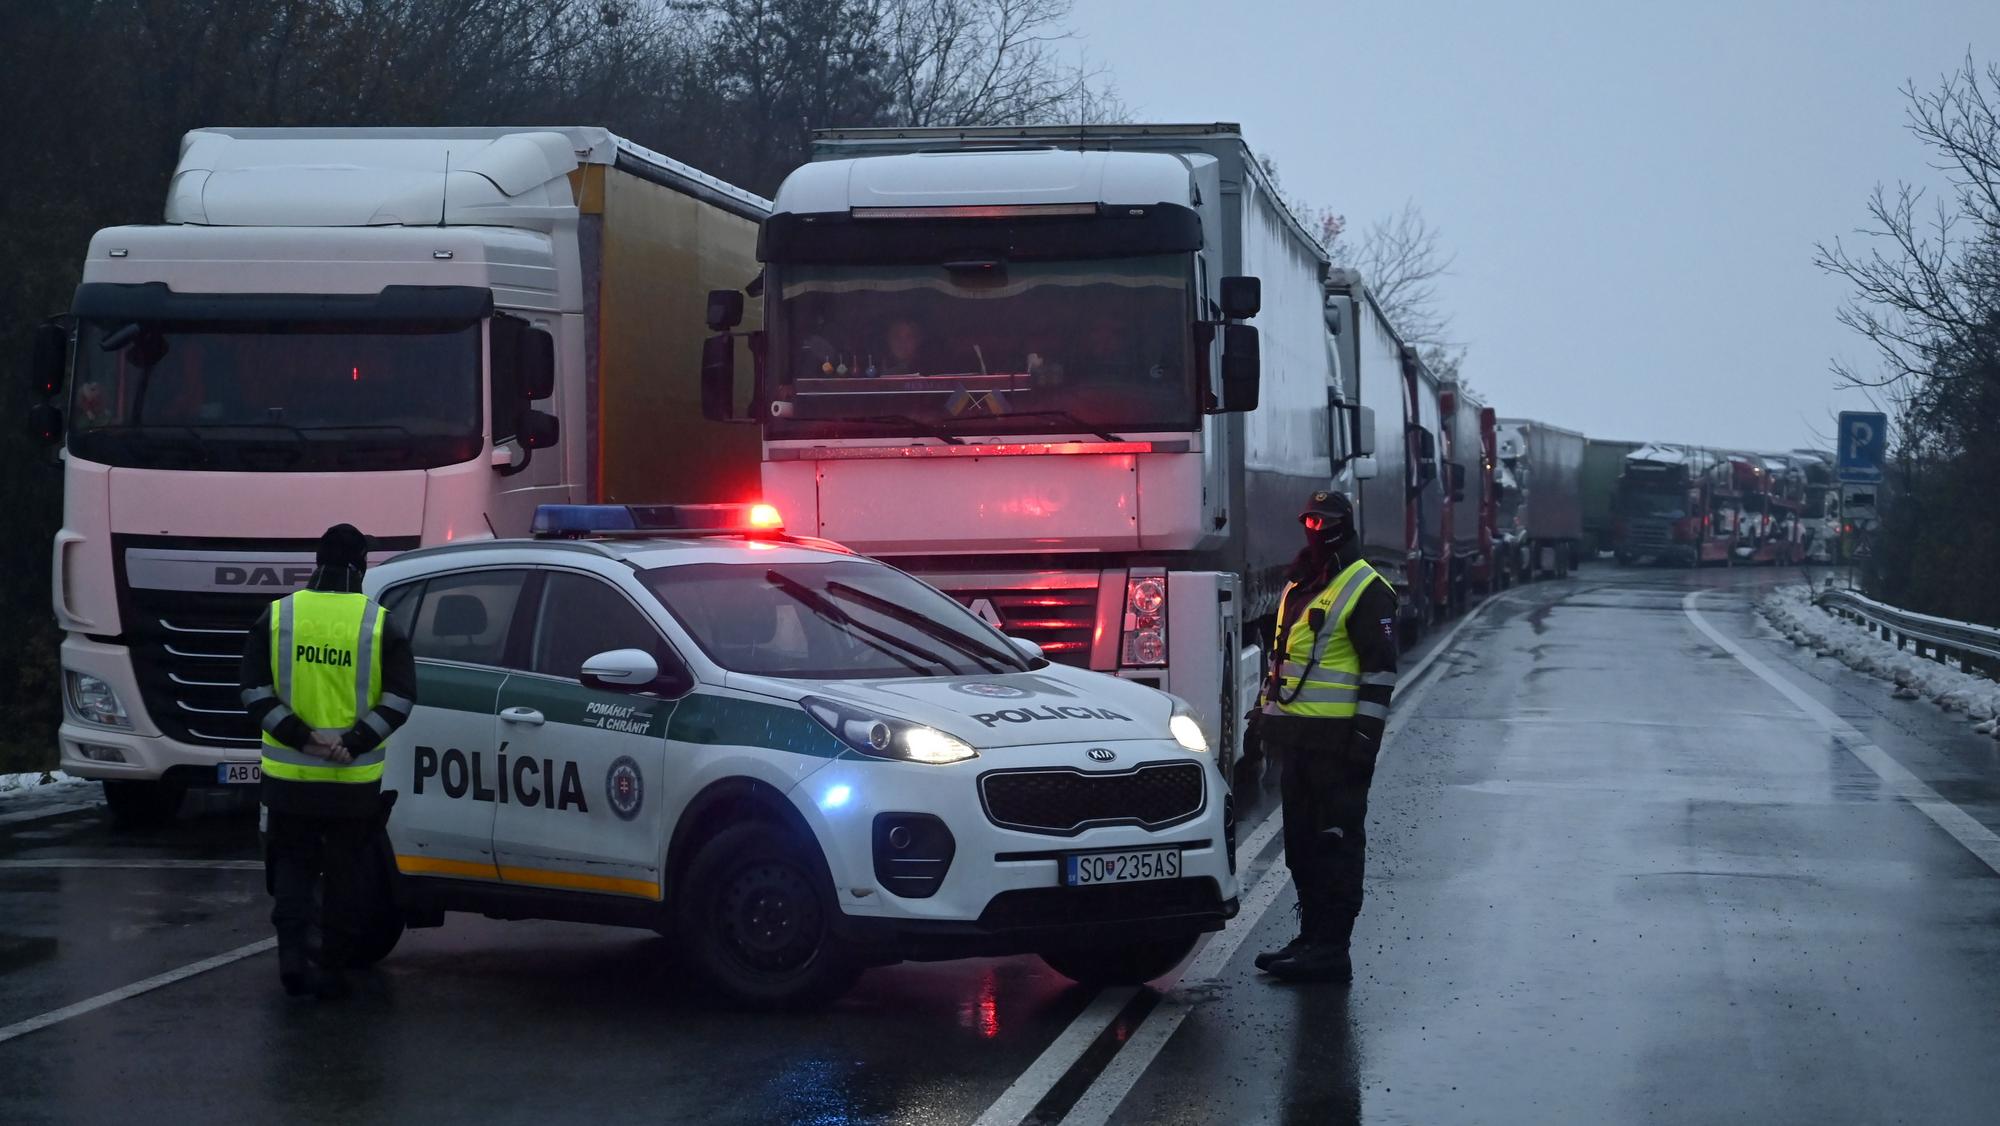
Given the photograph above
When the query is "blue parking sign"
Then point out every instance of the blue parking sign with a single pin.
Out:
(1864, 443)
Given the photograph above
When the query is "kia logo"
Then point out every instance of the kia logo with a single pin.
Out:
(1102, 754)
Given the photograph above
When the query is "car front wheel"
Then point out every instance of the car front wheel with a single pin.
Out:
(757, 918)
(1132, 964)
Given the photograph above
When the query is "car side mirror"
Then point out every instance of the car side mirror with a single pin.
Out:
(538, 364)
(1026, 648)
(627, 670)
(1240, 369)
(725, 309)
(51, 357)
(539, 430)
(1241, 298)
(46, 423)
(1365, 468)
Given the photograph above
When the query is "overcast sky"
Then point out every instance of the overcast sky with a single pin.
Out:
(1632, 190)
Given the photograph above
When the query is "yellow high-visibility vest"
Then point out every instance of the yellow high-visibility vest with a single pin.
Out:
(326, 665)
(1320, 673)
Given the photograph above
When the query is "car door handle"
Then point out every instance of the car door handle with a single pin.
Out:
(529, 716)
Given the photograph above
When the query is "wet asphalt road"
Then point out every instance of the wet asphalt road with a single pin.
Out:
(1615, 877)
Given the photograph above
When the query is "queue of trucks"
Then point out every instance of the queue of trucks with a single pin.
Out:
(1079, 378)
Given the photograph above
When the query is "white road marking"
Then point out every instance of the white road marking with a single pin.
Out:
(36, 1024)
(1963, 827)
(63, 863)
(1110, 1087)
(1040, 1078)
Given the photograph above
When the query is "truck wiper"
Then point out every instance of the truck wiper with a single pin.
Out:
(1062, 416)
(922, 429)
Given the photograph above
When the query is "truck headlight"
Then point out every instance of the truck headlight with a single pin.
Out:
(92, 701)
(1187, 730)
(885, 737)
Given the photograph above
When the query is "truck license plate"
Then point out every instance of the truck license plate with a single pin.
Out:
(1086, 868)
(239, 773)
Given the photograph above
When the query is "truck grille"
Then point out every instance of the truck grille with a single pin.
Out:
(187, 652)
(1649, 533)
(1062, 620)
(1064, 802)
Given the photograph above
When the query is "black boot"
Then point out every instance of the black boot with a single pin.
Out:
(1317, 962)
(1268, 958)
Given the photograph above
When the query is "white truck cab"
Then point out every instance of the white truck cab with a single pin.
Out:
(802, 761)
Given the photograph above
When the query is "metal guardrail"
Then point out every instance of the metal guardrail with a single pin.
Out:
(1974, 648)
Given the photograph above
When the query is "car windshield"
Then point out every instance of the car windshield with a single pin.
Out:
(250, 395)
(1010, 348)
(841, 619)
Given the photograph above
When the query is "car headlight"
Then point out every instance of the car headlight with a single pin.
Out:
(1187, 730)
(884, 737)
(92, 701)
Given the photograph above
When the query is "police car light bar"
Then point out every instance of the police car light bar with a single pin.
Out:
(575, 521)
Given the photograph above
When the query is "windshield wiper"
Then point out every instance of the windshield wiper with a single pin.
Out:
(911, 617)
(1062, 416)
(922, 429)
(820, 605)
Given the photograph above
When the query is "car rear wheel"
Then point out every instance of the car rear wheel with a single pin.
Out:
(757, 918)
(1132, 964)
(143, 805)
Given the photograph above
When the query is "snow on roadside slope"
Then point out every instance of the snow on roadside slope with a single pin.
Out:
(1791, 612)
(38, 781)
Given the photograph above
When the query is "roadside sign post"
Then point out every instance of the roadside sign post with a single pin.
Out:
(1864, 445)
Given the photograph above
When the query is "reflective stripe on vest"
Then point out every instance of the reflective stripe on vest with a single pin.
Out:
(1320, 675)
(326, 664)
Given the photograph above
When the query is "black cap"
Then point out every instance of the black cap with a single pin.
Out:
(1332, 506)
(343, 545)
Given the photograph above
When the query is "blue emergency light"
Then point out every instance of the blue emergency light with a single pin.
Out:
(575, 521)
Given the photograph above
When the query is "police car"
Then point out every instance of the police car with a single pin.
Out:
(798, 761)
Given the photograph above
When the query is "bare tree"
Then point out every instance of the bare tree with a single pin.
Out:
(1401, 259)
(1926, 285)
(990, 62)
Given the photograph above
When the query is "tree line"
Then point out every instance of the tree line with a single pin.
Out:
(1924, 277)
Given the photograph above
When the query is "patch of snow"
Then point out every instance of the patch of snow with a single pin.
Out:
(39, 782)
(1791, 612)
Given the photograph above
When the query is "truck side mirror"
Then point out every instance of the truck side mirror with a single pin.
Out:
(1457, 481)
(538, 364)
(51, 356)
(1365, 468)
(46, 423)
(725, 309)
(1423, 444)
(1241, 298)
(1240, 367)
(538, 430)
(718, 378)
(1364, 432)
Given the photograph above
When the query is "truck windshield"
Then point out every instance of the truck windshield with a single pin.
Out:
(276, 396)
(1655, 503)
(845, 619)
(983, 348)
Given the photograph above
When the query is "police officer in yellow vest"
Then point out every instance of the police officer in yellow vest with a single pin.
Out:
(328, 677)
(1323, 709)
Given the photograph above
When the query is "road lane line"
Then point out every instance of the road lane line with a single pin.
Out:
(36, 1024)
(1963, 827)
(1108, 1090)
(1041, 1076)
(89, 863)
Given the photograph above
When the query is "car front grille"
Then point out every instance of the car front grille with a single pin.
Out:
(1064, 802)
(1061, 619)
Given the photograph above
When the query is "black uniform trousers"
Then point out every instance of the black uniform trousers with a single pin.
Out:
(301, 849)
(1327, 768)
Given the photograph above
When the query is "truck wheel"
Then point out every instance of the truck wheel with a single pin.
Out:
(143, 805)
(1133, 964)
(757, 918)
